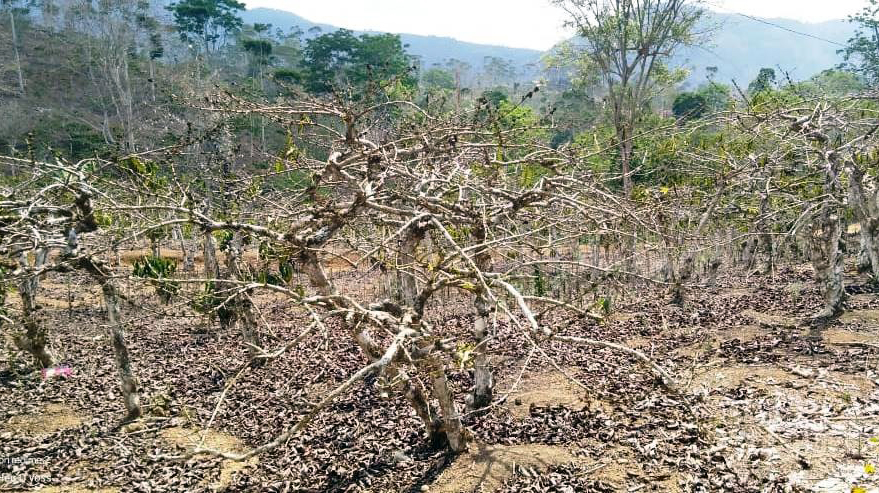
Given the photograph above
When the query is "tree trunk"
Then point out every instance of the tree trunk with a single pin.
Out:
(211, 266)
(457, 91)
(152, 79)
(188, 257)
(867, 213)
(749, 253)
(130, 393)
(432, 425)
(35, 339)
(98, 271)
(241, 306)
(451, 419)
(624, 135)
(864, 260)
(405, 270)
(764, 238)
(483, 389)
(689, 261)
(827, 248)
(713, 266)
(155, 248)
(15, 51)
(827, 260)
(685, 273)
(312, 268)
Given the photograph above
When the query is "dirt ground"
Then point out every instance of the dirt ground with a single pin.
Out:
(758, 406)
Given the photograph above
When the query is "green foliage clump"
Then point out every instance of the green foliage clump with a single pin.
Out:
(539, 282)
(341, 59)
(285, 271)
(707, 99)
(69, 138)
(212, 304)
(861, 55)
(690, 105)
(206, 21)
(158, 270)
(603, 306)
(765, 80)
(655, 151)
(288, 75)
(257, 47)
(830, 83)
(223, 238)
(438, 79)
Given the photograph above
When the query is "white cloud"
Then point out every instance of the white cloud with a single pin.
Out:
(519, 23)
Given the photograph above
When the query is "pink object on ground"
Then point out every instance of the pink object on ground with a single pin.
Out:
(58, 371)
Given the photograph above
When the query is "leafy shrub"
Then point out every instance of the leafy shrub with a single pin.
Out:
(158, 270)
(213, 305)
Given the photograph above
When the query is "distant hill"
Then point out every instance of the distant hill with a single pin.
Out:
(739, 49)
(430, 49)
(741, 46)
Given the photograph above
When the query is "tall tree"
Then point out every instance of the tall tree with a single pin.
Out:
(627, 43)
(862, 53)
(438, 79)
(341, 59)
(765, 80)
(459, 68)
(125, 35)
(498, 71)
(208, 21)
(326, 58)
(11, 9)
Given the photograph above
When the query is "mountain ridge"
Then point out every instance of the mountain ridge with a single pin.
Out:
(740, 47)
(431, 49)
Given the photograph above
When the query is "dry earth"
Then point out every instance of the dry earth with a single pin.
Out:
(759, 407)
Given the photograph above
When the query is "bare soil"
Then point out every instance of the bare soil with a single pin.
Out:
(489, 466)
(759, 407)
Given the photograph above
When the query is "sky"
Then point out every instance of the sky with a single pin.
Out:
(518, 23)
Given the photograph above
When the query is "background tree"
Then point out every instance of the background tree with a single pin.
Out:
(11, 10)
(208, 21)
(862, 53)
(438, 78)
(497, 70)
(833, 83)
(690, 105)
(628, 43)
(717, 96)
(461, 69)
(766, 80)
(340, 59)
(121, 55)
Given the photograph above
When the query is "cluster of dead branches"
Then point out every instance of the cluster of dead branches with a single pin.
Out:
(432, 204)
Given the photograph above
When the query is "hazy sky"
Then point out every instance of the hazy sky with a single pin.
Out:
(520, 23)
